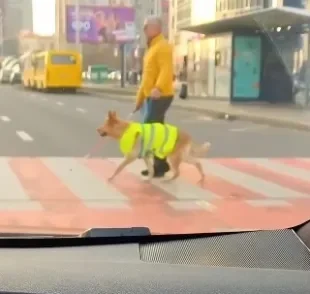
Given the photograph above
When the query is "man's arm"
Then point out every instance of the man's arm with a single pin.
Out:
(146, 85)
(165, 64)
(140, 97)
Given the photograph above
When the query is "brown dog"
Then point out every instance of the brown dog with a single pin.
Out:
(133, 137)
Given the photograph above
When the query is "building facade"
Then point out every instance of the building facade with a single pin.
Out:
(109, 54)
(92, 53)
(293, 51)
(206, 75)
(144, 8)
(193, 52)
(29, 42)
(180, 16)
(16, 16)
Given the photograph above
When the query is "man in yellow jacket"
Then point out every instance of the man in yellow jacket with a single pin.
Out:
(156, 90)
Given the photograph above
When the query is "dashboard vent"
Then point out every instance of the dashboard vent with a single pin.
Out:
(280, 249)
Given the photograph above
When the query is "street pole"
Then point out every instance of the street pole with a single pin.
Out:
(307, 75)
(123, 65)
(77, 29)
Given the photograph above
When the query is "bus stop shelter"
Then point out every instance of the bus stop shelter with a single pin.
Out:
(254, 41)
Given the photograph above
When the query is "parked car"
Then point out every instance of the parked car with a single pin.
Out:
(7, 69)
(16, 74)
(6, 60)
(114, 75)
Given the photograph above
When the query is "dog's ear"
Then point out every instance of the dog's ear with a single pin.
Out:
(112, 116)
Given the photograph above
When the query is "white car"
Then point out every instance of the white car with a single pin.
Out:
(7, 69)
(115, 75)
(16, 74)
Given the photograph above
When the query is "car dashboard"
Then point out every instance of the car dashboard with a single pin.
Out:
(276, 262)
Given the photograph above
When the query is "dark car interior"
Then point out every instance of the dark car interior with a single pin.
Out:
(133, 261)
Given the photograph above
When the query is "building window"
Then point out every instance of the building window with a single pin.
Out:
(183, 14)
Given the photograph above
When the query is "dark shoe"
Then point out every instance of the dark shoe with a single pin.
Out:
(159, 172)
(145, 173)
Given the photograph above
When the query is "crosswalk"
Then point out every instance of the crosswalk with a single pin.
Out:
(54, 194)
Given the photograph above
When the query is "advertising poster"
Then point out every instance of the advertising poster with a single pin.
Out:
(101, 24)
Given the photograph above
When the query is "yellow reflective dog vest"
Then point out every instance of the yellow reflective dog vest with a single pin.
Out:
(157, 138)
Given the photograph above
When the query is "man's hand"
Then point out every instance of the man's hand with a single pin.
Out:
(155, 93)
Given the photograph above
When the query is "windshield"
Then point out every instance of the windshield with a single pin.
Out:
(178, 126)
(62, 59)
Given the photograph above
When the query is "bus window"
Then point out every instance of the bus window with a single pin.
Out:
(63, 59)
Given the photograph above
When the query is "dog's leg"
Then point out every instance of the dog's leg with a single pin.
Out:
(189, 157)
(127, 160)
(195, 162)
(174, 161)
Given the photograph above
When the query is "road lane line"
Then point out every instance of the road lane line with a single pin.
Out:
(249, 129)
(80, 110)
(85, 185)
(5, 119)
(187, 196)
(280, 168)
(60, 103)
(221, 169)
(43, 186)
(269, 203)
(12, 194)
(24, 136)
(199, 119)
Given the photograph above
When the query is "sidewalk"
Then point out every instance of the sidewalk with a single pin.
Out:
(275, 115)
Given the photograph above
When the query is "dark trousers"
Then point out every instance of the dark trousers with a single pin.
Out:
(155, 112)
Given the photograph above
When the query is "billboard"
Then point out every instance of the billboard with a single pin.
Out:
(100, 24)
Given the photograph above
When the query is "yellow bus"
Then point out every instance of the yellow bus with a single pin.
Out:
(53, 70)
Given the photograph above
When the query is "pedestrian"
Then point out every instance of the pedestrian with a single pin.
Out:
(156, 91)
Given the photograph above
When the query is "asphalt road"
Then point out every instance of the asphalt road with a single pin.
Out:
(38, 124)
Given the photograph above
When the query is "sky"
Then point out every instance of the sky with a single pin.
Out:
(43, 17)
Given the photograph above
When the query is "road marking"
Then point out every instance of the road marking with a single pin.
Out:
(90, 190)
(5, 118)
(187, 196)
(205, 118)
(197, 119)
(24, 136)
(256, 128)
(12, 194)
(60, 103)
(281, 168)
(260, 186)
(268, 203)
(80, 110)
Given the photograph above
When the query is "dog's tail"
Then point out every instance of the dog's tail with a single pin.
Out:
(199, 150)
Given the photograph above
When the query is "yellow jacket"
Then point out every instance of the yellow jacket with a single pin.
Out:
(157, 69)
(156, 138)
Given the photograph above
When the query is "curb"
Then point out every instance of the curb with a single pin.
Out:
(120, 91)
(218, 114)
